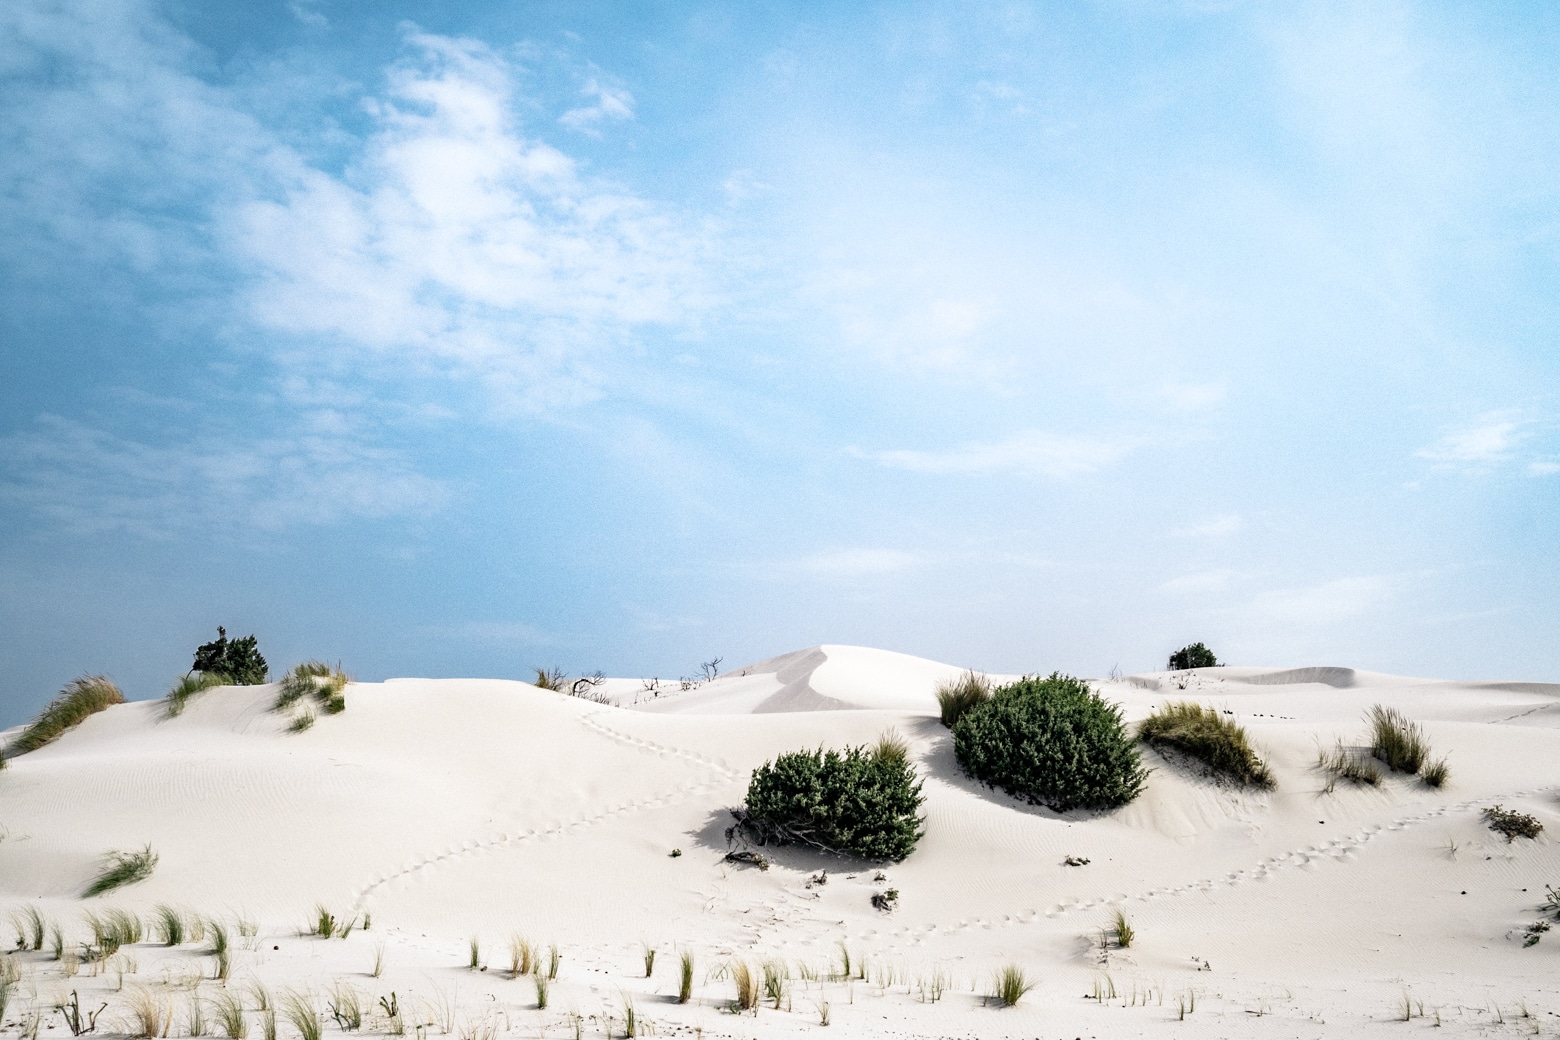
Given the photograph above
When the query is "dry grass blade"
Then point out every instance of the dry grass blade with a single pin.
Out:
(747, 986)
(150, 1014)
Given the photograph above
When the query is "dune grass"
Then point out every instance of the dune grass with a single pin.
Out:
(1010, 985)
(543, 984)
(111, 930)
(649, 952)
(230, 1016)
(151, 1014)
(303, 1015)
(776, 978)
(956, 696)
(1436, 774)
(31, 926)
(79, 700)
(379, 961)
(1220, 744)
(1397, 740)
(747, 986)
(552, 961)
(186, 688)
(346, 1007)
(1344, 764)
(549, 679)
(302, 721)
(123, 868)
(169, 923)
(1123, 929)
(474, 946)
(196, 1022)
(315, 680)
(685, 977)
(522, 956)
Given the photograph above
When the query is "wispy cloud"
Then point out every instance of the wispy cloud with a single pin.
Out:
(1029, 453)
(1214, 527)
(611, 105)
(82, 479)
(1493, 438)
(846, 563)
(1319, 605)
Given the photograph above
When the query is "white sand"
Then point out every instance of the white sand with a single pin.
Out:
(458, 808)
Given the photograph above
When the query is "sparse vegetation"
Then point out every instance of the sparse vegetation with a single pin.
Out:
(550, 679)
(237, 661)
(747, 986)
(316, 680)
(1194, 656)
(230, 1016)
(543, 984)
(475, 948)
(956, 696)
(346, 1007)
(151, 1014)
(1511, 823)
(78, 701)
(1435, 774)
(649, 952)
(685, 977)
(1052, 742)
(522, 956)
(123, 868)
(1396, 740)
(1123, 929)
(187, 687)
(1010, 985)
(1343, 763)
(302, 721)
(1202, 732)
(30, 928)
(169, 923)
(303, 1015)
(776, 976)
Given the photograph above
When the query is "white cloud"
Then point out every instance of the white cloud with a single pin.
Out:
(86, 480)
(611, 104)
(1029, 453)
(1492, 439)
(1200, 583)
(846, 563)
(1215, 527)
(1320, 605)
(1543, 468)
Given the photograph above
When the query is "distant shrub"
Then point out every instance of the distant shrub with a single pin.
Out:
(550, 679)
(1204, 734)
(1052, 742)
(79, 700)
(861, 802)
(1194, 656)
(1395, 740)
(1511, 823)
(238, 661)
(956, 696)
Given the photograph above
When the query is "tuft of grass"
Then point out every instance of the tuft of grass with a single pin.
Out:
(379, 961)
(150, 1014)
(1396, 740)
(1511, 823)
(776, 975)
(891, 747)
(552, 961)
(186, 688)
(79, 700)
(230, 1016)
(649, 952)
(1123, 929)
(823, 1012)
(685, 977)
(30, 928)
(302, 721)
(956, 696)
(1205, 734)
(346, 1007)
(550, 679)
(169, 923)
(57, 942)
(197, 1016)
(1344, 764)
(324, 921)
(303, 1015)
(115, 928)
(1010, 985)
(260, 995)
(314, 680)
(630, 1018)
(1435, 774)
(522, 956)
(475, 947)
(747, 986)
(542, 984)
(268, 1024)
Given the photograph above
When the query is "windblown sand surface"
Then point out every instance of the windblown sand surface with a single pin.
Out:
(459, 808)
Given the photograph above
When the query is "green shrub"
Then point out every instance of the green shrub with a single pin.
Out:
(1052, 742)
(1204, 734)
(79, 700)
(956, 696)
(862, 802)
(238, 661)
(1194, 656)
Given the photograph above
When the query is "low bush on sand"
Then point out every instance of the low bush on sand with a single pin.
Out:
(1511, 823)
(123, 868)
(237, 661)
(79, 700)
(956, 696)
(1194, 656)
(317, 680)
(861, 802)
(1206, 735)
(1051, 742)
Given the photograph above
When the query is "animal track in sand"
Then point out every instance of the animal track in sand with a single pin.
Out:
(476, 846)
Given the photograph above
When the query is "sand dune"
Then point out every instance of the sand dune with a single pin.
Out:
(455, 808)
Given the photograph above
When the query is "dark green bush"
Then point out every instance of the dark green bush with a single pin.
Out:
(1194, 656)
(862, 802)
(238, 661)
(1204, 734)
(1052, 742)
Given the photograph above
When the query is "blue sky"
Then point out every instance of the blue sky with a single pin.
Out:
(456, 338)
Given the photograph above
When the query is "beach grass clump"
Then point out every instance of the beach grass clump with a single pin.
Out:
(169, 924)
(1511, 823)
(151, 1014)
(1201, 732)
(1010, 985)
(1436, 774)
(1345, 764)
(78, 701)
(474, 948)
(1051, 742)
(186, 688)
(1396, 740)
(956, 696)
(315, 680)
(861, 802)
(747, 986)
(31, 927)
(776, 979)
(304, 1016)
(346, 1007)
(685, 977)
(649, 956)
(122, 868)
(543, 987)
(1125, 933)
(522, 956)
(230, 1016)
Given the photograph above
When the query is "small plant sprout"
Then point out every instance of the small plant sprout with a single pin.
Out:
(649, 957)
(379, 960)
(685, 977)
(119, 869)
(552, 961)
(1011, 985)
(1123, 929)
(476, 953)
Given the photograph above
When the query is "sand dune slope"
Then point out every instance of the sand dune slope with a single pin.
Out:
(448, 809)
